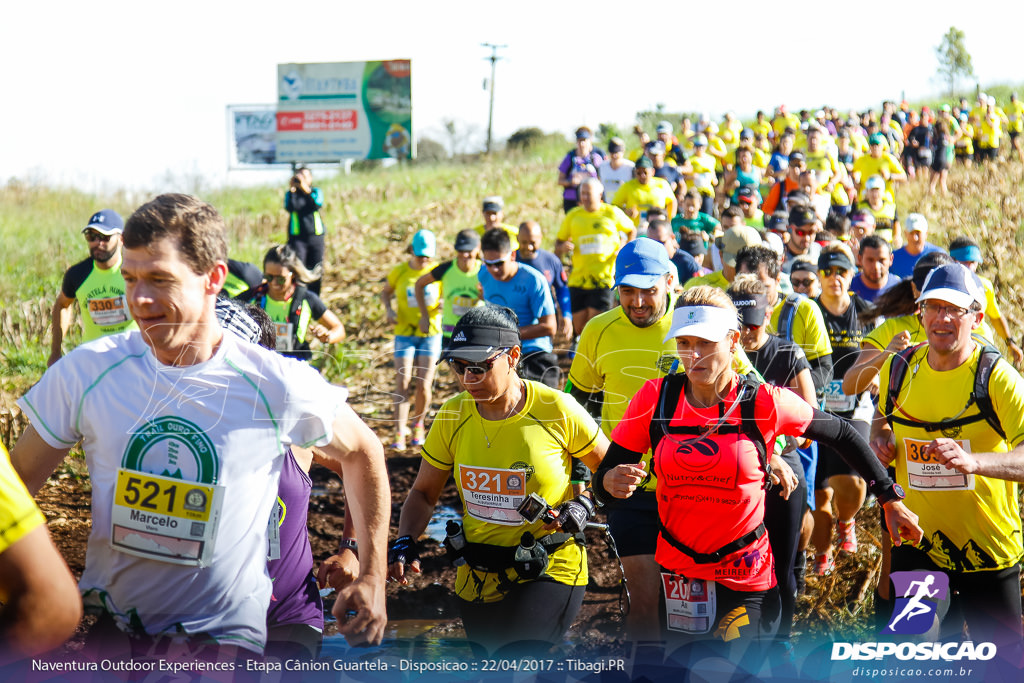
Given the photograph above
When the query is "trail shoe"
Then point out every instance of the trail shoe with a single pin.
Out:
(847, 537)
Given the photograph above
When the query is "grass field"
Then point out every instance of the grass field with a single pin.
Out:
(370, 216)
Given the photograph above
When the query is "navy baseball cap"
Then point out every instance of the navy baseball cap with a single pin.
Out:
(954, 283)
(641, 263)
(106, 222)
(475, 343)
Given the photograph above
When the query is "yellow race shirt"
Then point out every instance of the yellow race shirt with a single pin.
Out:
(513, 233)
(531, 453)
(868, 166)
(809, 330)
(762, 128)
(970, 522)
(402, 279)
(596, 238)
(713, 279)
(703, 177)
(657, 193)
(18, 512)
(1015, 115)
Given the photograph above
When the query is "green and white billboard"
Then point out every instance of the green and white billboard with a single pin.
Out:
(344, 110)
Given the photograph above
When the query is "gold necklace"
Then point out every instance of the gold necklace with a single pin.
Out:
(483, 429)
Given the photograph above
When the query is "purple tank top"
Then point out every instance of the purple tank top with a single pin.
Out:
(296, 598)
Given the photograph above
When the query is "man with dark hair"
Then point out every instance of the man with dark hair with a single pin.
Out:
(507, 283)
(618, 351)
(686, 266)
(873, 260)
(803, 226)
(184, 430)
(96, 284)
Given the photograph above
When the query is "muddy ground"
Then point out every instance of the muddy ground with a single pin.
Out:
(65, 501)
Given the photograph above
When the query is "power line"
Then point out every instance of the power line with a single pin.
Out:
(490, 115)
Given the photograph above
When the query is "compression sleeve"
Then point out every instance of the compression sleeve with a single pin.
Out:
(590, 402)
(616, 455)
(840, 435)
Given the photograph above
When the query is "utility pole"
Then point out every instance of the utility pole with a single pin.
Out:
(490, 115)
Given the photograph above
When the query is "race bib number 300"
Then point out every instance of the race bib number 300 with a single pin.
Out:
(165, 519)
(492, 495)
(925, 473)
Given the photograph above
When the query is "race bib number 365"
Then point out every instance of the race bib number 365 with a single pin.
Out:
(165, 519)
(925, 473)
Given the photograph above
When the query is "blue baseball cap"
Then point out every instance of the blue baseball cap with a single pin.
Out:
(641, 263)
(424, 244)
(106, 222)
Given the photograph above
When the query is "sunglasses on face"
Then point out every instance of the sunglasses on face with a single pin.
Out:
(276, 279)
(495, 263)
(93, 236)
(802, 283)
(461, 367)
(804, 233)
(832, 272)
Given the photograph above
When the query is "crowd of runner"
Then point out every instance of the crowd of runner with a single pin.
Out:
(754, 334)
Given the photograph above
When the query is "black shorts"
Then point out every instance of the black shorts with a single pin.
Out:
(830, 463)
(534, 613)
(1013, 136)
(635, 525)
(941, 161)
(990, 153)
(603, 299)
(541, 366)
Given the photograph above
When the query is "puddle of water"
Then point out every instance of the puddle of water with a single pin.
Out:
(443, 513)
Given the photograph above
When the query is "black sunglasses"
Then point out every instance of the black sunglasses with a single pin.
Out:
(461, 367)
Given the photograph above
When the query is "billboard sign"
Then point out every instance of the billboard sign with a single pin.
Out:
(252, 134)
(344, 110)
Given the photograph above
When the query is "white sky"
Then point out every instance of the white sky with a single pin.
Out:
(110, 94)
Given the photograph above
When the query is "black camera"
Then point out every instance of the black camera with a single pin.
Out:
(535, 507)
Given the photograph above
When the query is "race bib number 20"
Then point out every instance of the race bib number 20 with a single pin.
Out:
(165, 519)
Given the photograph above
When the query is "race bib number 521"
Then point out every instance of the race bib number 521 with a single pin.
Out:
(165, 519)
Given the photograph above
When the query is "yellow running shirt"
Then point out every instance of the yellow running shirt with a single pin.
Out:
(531, 454)
(596, 238)
(402, 279)
(970, 522)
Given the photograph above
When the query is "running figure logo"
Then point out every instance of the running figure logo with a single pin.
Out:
(918, 594)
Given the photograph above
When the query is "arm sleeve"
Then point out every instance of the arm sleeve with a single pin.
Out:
(616, 455)
(317, 307)
(839, 434)
(438, 272)
(591, 401)
(288, 201)
(318, 197)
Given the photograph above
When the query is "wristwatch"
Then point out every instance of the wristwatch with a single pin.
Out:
(349, 543)
(891, 493)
